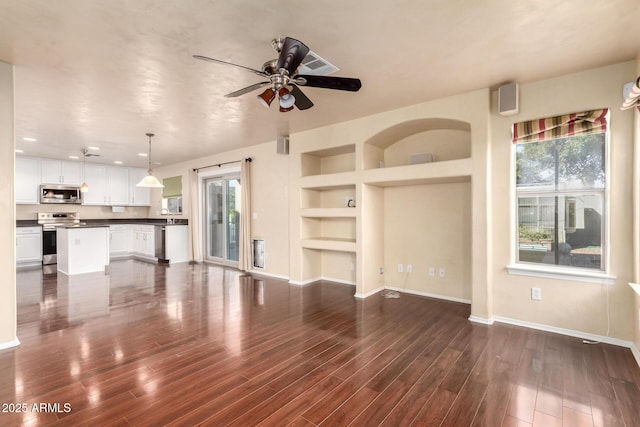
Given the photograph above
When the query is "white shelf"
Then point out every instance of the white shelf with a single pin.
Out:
(426, 173)
(329, 181)
(328, 213)
(330, 244)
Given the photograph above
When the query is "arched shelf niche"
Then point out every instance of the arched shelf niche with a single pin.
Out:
(417, 141)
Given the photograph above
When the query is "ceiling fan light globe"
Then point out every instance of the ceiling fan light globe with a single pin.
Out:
(286, 99)
(266, 97)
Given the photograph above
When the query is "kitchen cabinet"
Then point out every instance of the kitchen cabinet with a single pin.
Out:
(139, 196)
(118, 186)
(27, 182)
(60, 172)
(107, 185)
(82, 249)
(28, 245)
(120, 241)
(144, 240)
(96, 178)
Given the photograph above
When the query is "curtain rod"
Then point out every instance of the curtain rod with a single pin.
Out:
(248, 159)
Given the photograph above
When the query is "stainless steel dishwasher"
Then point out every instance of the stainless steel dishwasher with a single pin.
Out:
(160, 243)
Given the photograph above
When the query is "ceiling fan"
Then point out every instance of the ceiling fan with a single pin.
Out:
(283, 77)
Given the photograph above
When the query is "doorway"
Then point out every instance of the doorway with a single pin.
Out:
(222, 219)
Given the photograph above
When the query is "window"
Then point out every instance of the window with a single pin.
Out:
(560, 193)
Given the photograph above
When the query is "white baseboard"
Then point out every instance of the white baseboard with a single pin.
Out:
(321, 278)
(562, 331)
(482, 320)
(264, 273)
(368, 294)
(304, 282)
(428, 294)
(636, 352)
(342, 282)
(8, 344)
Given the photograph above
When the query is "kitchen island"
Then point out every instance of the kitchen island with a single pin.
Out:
(82, 248)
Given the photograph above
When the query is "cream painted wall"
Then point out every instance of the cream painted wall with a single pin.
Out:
(567, 304)
(7, 219)
(269, 197)
(429, 226)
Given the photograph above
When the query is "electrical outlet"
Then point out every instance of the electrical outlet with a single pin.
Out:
(409, 268)
(381, 270)
(352, 266)
(536, 294)
(400, 268)
(432, 271)
(441, 272)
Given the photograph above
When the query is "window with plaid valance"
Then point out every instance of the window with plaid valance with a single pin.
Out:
(585, 123)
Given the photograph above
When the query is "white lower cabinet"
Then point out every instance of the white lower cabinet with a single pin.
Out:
(28, 245)
(120, 240)
(144, 241)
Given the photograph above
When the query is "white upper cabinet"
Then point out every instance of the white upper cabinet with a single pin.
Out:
(61, 172)
(27, 180)
(118, 186)
(107, 185)
(96, 178)
(140, 196)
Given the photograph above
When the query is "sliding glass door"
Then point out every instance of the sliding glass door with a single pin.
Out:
(222, 218)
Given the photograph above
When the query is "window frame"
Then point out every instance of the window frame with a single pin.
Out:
(563, 272)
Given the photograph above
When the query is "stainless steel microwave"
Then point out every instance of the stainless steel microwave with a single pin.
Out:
(60, 194)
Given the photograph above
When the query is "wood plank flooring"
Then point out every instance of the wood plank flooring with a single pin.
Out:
(187, 345)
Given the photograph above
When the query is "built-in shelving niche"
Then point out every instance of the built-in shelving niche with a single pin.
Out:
(329, 161)
(444, 139)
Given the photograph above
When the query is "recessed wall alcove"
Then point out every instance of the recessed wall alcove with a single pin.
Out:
(420, 209)
(442, 139)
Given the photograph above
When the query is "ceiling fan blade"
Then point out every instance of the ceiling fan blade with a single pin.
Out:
(292, 53)
(218, 61)
(327, 82)
(246, 90)
(302, 102)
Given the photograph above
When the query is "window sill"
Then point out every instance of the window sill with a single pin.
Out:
(561, 274)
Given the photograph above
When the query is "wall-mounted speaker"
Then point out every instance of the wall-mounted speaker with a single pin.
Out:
(283, 145)
(508, 99)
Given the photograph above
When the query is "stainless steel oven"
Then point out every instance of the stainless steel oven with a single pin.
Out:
(50, 221)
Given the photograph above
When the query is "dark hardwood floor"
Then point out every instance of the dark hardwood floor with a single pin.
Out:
(195, 344)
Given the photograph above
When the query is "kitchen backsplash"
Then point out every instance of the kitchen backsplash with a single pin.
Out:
(86, 212)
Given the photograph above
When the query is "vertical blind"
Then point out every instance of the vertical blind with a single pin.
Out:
(584, 123)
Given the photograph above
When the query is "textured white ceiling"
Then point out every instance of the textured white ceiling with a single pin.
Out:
(104, 72)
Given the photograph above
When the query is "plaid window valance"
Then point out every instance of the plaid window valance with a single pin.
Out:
(585, 123)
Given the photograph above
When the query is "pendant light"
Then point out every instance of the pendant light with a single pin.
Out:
(84, 188)
(150, 180)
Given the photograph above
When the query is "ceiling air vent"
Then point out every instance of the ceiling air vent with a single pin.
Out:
(314, 65)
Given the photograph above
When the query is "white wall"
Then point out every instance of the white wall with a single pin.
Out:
(7, 207)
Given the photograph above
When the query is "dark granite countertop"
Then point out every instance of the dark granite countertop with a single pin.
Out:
(114, 221)
(84, 226)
